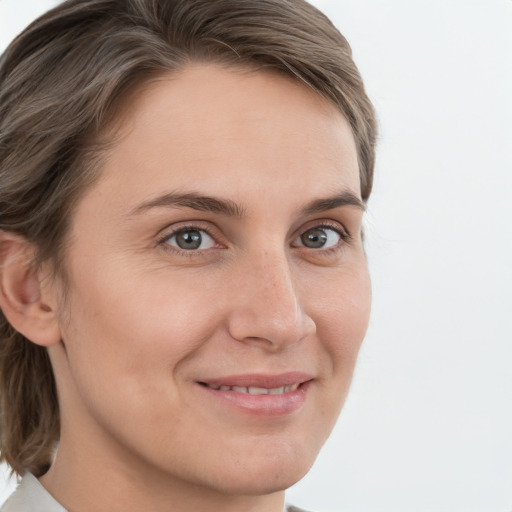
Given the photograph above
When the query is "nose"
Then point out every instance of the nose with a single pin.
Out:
(266, 305)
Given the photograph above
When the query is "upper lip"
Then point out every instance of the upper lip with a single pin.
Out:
(260, 380)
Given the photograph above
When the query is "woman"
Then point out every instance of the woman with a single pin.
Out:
(184, 288)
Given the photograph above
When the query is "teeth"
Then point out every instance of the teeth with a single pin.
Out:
(254, 390)
(257, 391)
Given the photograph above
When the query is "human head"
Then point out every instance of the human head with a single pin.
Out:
(63, 81)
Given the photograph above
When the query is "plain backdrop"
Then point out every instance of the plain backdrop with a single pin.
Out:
(428, 424)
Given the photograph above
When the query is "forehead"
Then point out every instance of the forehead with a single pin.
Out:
(219, 125)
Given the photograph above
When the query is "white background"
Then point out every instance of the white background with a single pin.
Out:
(428, 424)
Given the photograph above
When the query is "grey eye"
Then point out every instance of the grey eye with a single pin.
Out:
(318, 238)
(191, 240)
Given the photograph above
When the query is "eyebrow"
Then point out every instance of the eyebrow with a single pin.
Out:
(230, 208)
(345, 198)
(194, 201)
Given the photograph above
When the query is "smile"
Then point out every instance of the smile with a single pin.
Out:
(260, 395)
(253, 390)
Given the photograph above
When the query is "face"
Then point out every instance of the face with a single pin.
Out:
(218, 287)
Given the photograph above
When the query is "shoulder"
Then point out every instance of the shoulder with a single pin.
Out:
(31, 496)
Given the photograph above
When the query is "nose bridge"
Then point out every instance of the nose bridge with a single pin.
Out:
(278, 291)
(269, 307)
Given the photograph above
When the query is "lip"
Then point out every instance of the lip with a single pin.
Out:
(266, 405)
(261, 380)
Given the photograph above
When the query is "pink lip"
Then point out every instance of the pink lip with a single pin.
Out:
(266, 405)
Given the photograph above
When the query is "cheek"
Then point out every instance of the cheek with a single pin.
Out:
(137, 325)
(127, 351)
(342, 314)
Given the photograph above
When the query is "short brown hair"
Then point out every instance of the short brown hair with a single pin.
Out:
(60, 83)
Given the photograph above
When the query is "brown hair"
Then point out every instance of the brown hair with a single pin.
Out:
(60, 83)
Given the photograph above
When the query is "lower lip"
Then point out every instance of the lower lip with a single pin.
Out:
(262, 405)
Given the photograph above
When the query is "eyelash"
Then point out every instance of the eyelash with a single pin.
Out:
(162, 241)
(344, 235)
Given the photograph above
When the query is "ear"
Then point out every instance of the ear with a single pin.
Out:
(21, 299)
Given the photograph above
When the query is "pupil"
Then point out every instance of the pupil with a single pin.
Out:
(314, 238)
(189, 240)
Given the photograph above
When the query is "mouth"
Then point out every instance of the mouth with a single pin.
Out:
(262, 395)
(254, 390)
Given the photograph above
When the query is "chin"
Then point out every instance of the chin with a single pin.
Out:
(260, 484)
(265, 473)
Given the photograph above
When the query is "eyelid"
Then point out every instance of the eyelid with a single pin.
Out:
(335, 226)
(170, 231)
(327, 224)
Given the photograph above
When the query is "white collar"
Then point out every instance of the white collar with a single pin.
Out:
(31, 496)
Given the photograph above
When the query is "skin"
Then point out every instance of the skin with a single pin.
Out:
(143, 322)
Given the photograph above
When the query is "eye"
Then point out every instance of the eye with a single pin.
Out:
(319, 237)
(190, 239)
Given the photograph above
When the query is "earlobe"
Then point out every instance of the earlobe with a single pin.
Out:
(21, 299)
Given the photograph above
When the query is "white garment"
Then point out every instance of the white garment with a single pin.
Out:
(31, 496)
